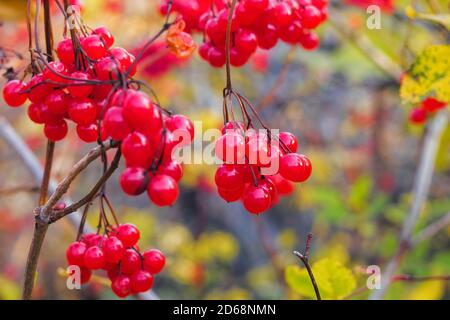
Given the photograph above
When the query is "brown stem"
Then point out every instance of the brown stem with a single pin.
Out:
(227, 45)
(304, 257)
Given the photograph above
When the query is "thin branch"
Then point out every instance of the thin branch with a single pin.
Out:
(227, 44)
(432, 229)
(304, 257)
(421, 188)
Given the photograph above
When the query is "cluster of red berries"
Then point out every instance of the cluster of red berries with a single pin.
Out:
(258, 168)
(428, 107)
(255, 23)
(74, 88)
(149, 139)
(117, 253)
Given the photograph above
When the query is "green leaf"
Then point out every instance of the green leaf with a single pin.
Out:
(360, 192)
(334, 280)
(428, 76)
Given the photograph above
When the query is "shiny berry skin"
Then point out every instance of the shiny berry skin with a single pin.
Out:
(65, 51)
(267, 37)
(56, 131)
(230, 147)
(231, 195)
(134, 181)
(92, 239)
(128, 234)
(256, 5)
(163, 190)
(141, 281)
(105, 35)
(107, 69)
(222, 21)
(54, 70)
(12, 95)
(182, 128)
(121, 286)
(245, 41)
(292, 33)
(137, 150)
(294, 167)
(115, 125)
(238, 58)
(124, 58)
(311, 17)
(281, 14)
(140, 112)
(113, 249)
(269, 185)
(154, 261)
(94, 258)
(131, 262)
(75, 89)
(418, 116)
(256, 199)
(309, 41)
(228, 177)
(75, 253)
(57, 102)
(432, 105)
(319, 4)
(35, 113)
(288, 140)
(94, 47)
(38, 90)
(216, 57)
(203, 50)
(171, 168)
(82, 111)
(284, 187)
(85, 275)
(88, 133)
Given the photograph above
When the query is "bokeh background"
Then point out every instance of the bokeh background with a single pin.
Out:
(349, 118)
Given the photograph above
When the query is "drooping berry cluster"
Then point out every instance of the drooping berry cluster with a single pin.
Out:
(255, 23)
(258, 168)
(427, 108)
(117, 253)
(149, 140)
(76, 87)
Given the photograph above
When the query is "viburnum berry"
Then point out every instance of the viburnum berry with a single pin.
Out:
(295, 167)
(309, 40)
(228, 177)
(128, 234)
(121, 286)
(82, 111)
(163, 190)
(231, 195)
(57, 102)
(35, 113)
(288, 140)
(216, 57)
(131, 262)
(140, 112)
(105, 35)
(94, 258)
(107, 68)
(94, 47)
(38, 90)
(182, 128)
(65, 51)
(141, 281)
(134, 181)
(75, 89)
(154, 261)
(256, 199)
(88, 133)
(230, 147)
(115, 125)
(172, 169)
(113, 249)
(432, 105)
(138, 150)
(56, 131)
(418, 116)
(75, 253)
(13, 93)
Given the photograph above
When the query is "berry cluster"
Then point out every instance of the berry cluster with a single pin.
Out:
(74, 88)
(149, 139)
(258, 168)
(117, 253)
(255, 23)
(428, 107)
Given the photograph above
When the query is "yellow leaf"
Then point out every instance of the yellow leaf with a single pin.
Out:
(429, 76)
(334, 280)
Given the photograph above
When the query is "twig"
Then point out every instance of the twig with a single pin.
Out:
(227, 44)
(304, 257)
(421, 188)
(432, 229)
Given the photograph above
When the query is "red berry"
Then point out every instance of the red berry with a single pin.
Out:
(432, 105)
(216, 57)
(94, 47)
(311, 17)
(105, 35)
(171, 168)
(256, 5)
(288, 140)
(284, 187)
(140, 113)
(134, 181)
(231, 195)
(88, 133)
(113, 249)
(131, 262)
(281, 14)
(228, 177)
(245, 41)
(65, 51)
(38, 90)
(230, 147)
(35, 113)
(309, 40)
(115, 125)
(82, 111)
(294, 167)
(57, 102)
(75, 89)
(124, 58)
(121, 286)
(137, 150)
(267, 36)
(163, 190)
(107, 69)
(56, 130)
(54, 70)
(154, 261)
(182, 128)
(94, 258)
(12, 93)
(292, 33)
(128, 234)
(141, 281)
(256, 199)
(203, 50)
(75, 253)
